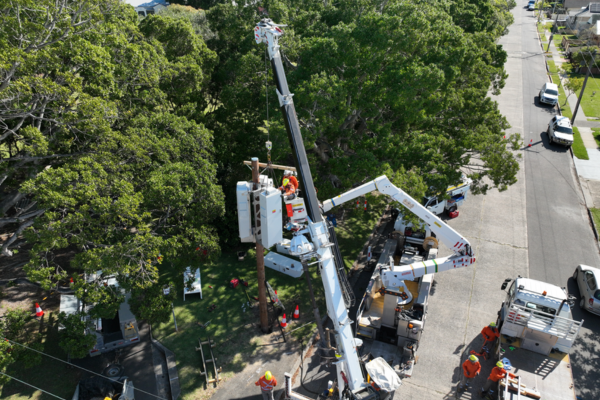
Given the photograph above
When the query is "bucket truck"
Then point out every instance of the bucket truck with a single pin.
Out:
(315, 244)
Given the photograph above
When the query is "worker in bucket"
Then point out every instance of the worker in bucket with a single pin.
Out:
(267, 383)
(499, 372)
(290, 175)
(471, 369)
(289, 189)
(490, 333)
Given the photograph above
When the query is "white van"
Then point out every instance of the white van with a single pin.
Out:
(549, 93)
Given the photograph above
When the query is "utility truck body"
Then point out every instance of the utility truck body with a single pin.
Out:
(391, 326)
(536, 334)
(120, 331)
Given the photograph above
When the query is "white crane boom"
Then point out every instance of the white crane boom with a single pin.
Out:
(463, 253)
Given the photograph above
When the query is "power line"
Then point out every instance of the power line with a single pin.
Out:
(77, 366)
(36, 388)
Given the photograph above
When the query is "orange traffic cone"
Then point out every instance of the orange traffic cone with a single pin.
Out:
(38, 310)
(275, 298)
(530, 143)
(297, 312)
(283, 322)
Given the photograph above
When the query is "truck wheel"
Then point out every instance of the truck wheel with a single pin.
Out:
(113, 371)
(549, 137)
(451, 209)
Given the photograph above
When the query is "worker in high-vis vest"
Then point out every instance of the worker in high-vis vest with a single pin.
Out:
(267, 383)
(290, 175)
(498, 372)
(471, 368)
(490, 333)
(289, 189)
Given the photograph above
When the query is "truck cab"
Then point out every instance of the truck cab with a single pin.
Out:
(539, 315)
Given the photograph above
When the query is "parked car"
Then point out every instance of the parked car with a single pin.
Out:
(531, 5)
(587, 279)
(549, 93)
(560, 130)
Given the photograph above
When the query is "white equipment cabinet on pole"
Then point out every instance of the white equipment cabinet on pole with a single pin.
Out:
(270, 217)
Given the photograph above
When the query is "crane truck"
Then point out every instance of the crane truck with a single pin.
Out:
(323, 251)
(537, 333)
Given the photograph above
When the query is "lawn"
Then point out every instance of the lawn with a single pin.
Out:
(590, 102)
(578, 147)
(233, 327)
(50, 375)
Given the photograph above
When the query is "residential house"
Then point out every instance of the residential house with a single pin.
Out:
(152, 7)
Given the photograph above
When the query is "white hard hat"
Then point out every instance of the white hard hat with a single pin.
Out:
(287, 172)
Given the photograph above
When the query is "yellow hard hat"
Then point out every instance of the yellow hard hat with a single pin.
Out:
(286, 181)
(268, 375)
(473, 358)
(500, 364)
(493, 324)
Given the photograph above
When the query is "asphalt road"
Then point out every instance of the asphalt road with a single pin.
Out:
(558, 228)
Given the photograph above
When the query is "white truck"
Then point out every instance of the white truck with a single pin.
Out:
(457, 195)
(98, 387)
(111, 334)
(536, 334)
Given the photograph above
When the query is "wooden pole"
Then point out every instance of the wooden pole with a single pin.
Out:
(260, 254)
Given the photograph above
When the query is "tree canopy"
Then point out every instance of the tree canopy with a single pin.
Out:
(121, 138)
(98, 141)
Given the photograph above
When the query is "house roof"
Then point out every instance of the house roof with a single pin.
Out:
(154, 3)
(576, 3)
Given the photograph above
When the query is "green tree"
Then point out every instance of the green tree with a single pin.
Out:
(100, 135)
(393, 84)
(196, 17)
(74, 337)
(572, 85)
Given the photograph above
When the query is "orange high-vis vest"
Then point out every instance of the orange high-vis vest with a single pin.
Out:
(471, 369)
(499, 373)
(490, 333)
(265, 385)
(293, 181)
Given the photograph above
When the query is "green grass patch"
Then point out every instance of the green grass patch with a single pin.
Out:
(552, 66)
(590, 102)
(578, 147)
(596, 216)
(235, 332)
(50, 375)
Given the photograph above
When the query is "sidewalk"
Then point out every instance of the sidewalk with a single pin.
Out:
(587, 170)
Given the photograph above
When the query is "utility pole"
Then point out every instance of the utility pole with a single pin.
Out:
(260, 251)
(589, 68)
(552, 33)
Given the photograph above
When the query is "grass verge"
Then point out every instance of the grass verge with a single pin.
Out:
(596, 133)
(590, 102)
(596, 216)
(578, 147)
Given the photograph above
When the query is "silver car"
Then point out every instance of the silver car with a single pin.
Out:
(587, 279)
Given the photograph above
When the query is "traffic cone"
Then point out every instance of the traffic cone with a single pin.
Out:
(38, 310)
(365, 204)
(273, 300)
(530, 143)
(283, 322)
(297, 312)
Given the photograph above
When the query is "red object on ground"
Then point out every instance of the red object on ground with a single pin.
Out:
(234, 283)
(283, 321)
(297, 313)
(290, 212)
(454, 214)
(38, 310)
